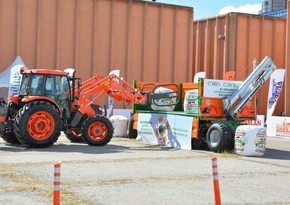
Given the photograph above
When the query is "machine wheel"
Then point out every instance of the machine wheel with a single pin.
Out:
(132, 133)
(97, 130)
(196, 143)
(37, 124)
(9, 138)
(73, 135)
(219, 137)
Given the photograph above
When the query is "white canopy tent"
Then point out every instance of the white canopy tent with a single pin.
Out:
(6, 74)
(10, 79)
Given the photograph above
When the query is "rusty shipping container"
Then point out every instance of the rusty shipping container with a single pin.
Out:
(233, 42)
(287, 62)
(144, 40)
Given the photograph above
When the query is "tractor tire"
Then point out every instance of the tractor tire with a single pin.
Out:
(219, 137)
(196, 143)
(97, 130)
(132, 133)
(37, 125)
(73, 137)
(9, 138)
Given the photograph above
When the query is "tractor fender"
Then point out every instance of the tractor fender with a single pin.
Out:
(28, 99)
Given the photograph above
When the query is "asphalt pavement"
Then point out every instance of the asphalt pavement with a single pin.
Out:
(127, 171)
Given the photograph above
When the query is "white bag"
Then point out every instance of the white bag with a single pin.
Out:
(166, 103)
(250, 140)
(190, 104)
(120, 125)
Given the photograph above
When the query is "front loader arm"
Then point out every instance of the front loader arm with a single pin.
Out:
(112, 86)
(118, 89)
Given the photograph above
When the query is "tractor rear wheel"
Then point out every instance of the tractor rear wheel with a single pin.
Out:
(219, 137)
(132, 133)
(37, 124)
(196, 143)
(6, 129)
(73, 135)
(9, 137)
(97, 130)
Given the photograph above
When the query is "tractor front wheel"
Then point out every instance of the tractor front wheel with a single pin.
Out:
(37, 124)
(97, 130)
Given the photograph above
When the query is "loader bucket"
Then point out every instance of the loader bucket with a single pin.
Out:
(160, 96)
(164, 95)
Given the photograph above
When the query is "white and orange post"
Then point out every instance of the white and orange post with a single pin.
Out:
(217, 196)
(56, 184)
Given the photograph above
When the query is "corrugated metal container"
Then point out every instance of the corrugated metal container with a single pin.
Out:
(145, 40)
(287, 62)
(233, 42)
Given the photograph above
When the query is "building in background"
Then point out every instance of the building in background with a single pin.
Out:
(146, 41)
(232, 42)
(274, 8)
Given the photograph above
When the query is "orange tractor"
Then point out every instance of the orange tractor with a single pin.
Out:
(51, 101)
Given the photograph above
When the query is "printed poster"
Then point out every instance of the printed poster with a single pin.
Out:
(197, 76)
(260, 121)
(278, 127)
(165, 130)
(15, 80)
(275, 88)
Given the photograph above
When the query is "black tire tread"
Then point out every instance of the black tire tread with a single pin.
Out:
(21, 119)
(226, 137)
(88, 122)
(72, 138)
(132, 133)
(9, 138)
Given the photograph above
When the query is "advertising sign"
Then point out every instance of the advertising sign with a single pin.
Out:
(278, 126)
(165, 130)
(260, 121)
(190, 105)
(275, 88)
(15, 80)
(197, 76)
(220, 88)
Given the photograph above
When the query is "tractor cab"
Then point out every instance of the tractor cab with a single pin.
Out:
(53, 84)
(49, 85)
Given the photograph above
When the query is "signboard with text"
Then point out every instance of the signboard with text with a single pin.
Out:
(165, 130)
(278, 127)
(220, 88)
(260, 121)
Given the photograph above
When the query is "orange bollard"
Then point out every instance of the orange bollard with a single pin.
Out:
(217, 196)
(56, 184)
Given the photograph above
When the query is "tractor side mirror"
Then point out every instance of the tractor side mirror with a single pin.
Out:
(22, 70)
(79, 85)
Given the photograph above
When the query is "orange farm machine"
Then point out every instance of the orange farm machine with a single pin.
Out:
(218, 116)
(51, 101)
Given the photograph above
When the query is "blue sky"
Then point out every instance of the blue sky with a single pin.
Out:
(210, 8)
